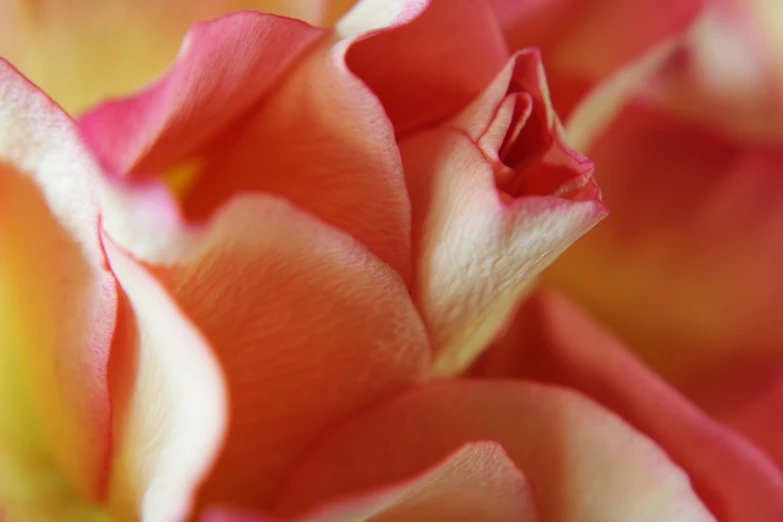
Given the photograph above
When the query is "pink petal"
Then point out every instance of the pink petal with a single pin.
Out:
(696, 231)
(579, 38)
(496, 196)
(434, 65)
(583, 463)
(759, 418)
(322, 141)
(307, 324)
(476, 483)
(224, 67)
(554, 341)
(317, 137)
(81, 52)
(58, 298)
(171, 401)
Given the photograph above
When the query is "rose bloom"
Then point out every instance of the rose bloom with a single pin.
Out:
(303, 269)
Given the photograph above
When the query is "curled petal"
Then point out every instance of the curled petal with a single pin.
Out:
(583, 463)
(307, 324)
(57, 304)
(496, 196)
(170, 397)
(434, 64)
(552, 340)
(224, 67)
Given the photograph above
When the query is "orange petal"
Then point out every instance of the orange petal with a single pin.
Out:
(583, 463)
(307, 324)
(553, 341)
(432, 66)
(683, 271)
(318, 137)
(323, 142)
(476, 483)
(579, 38)
(171, 402)
(81, 52)
(57, 305)
(496, 196)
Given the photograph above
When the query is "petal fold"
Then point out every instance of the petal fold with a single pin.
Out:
(58, 303)
(552, 340)
(497, 195)
(583, 463)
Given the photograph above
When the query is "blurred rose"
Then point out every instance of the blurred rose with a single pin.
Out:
(685, 271)
(232, 291)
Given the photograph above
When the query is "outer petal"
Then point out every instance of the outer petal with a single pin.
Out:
(683, 271)
(307, 324)
(578, 38)
(553, 341)
(224, 67)
(496, 196)
(583, 463)
(81, 52)
(477, 483)
(57, 304)
(171, 402)
(431, 67)
(317, 137)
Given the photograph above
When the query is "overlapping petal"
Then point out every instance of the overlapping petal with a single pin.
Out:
(583, 463)
(476, 483)
(496, 196)
(170, 401)
(315, 135)
(58, 306)
(80, 51)
(552, 340)
(579, 39)
(684, 270)
(307, 323)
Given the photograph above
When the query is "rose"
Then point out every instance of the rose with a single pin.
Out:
(304, 300)
(692, 168)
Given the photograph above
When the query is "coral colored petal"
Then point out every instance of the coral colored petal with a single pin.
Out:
(171, 401)
(323, 142)
(552, 340)
(496, 197)
(476, 483)
(307, 324)
(583, 463)
(224, 67)
(432, 66)
(695, 230)
(58, 302)
(579, 38)
(759, 418)
(80, 52)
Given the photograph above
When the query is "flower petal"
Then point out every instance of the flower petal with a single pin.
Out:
(553, 341)
(224, 67)
(57, 304)
(307, 324)
(578, 38)
(317, 137)
(81, 52)
(496, 196)
(170, 397)
(696, 231)
(432, 66)
(583, 463)
(476, 483)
